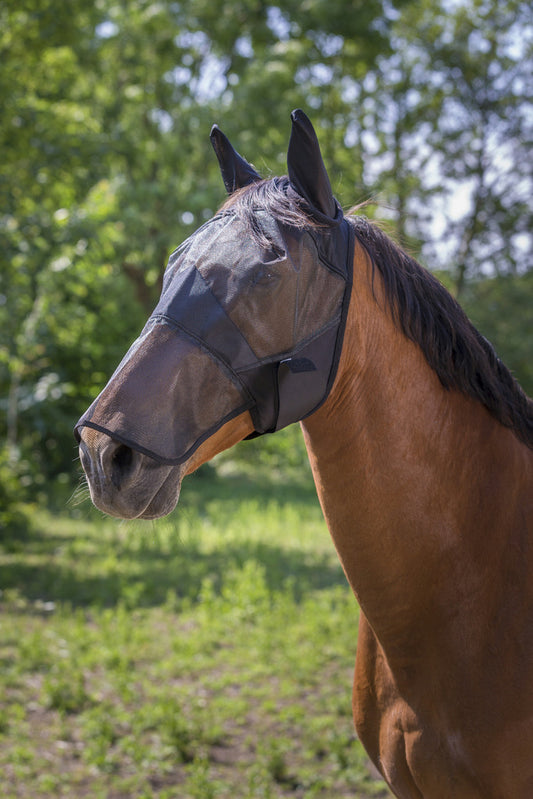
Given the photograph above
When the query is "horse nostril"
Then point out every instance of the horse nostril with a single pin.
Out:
(122, 457)
(121, 462)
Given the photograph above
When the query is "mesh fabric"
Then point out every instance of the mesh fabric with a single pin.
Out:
(148, 404)
(246, 320)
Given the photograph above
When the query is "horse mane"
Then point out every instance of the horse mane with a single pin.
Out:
(419, 304)
(428, 315)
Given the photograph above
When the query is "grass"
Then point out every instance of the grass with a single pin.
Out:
(209, 654)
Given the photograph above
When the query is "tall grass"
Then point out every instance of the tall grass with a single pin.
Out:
(206, 655)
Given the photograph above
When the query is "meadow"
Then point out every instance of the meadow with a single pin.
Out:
(209, 654)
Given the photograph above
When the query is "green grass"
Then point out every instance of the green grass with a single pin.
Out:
(209, 654)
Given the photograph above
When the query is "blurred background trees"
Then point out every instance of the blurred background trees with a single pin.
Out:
(106, 166)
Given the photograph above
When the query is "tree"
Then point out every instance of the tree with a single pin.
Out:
(107, 164)
(453, 150)
(48, 140)
(501, 308)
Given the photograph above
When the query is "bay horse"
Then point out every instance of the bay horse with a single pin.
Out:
(419, 439)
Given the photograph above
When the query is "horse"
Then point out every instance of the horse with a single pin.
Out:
(281, 309)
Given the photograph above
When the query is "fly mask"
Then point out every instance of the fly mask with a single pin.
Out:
(251, 316)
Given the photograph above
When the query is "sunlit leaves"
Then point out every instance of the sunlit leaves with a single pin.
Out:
(106, 164)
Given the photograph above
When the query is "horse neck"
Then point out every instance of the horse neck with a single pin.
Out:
(402, 472)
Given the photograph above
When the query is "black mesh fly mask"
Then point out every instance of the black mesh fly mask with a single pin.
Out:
(249, 318)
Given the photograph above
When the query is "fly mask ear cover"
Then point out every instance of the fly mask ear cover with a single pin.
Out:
(238, 327)
(311, 374)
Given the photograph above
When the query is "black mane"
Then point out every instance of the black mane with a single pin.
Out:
(421, 307)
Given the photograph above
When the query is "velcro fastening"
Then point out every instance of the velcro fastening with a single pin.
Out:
(298, 365)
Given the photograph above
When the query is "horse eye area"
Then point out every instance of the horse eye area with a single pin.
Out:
(264, 277)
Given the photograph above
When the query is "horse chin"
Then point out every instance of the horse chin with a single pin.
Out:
(157, 509)
(166, 497)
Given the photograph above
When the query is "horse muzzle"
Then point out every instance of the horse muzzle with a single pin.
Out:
(125, 483)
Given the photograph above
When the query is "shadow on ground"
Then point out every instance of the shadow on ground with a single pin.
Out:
(143, 568)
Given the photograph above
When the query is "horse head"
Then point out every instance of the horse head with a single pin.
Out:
(245, 338)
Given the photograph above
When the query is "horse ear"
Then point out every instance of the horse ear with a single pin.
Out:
(307, 173)
(236, 171)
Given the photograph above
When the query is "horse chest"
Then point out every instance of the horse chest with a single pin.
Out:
(451, 746)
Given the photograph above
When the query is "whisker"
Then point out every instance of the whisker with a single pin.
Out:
(81, 493)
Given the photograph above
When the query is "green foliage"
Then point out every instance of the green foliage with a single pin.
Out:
(64, 690)
(280, 455)
(14, 517)
(229, 675)
(449, 133)
(106, 164)
(501, 310)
